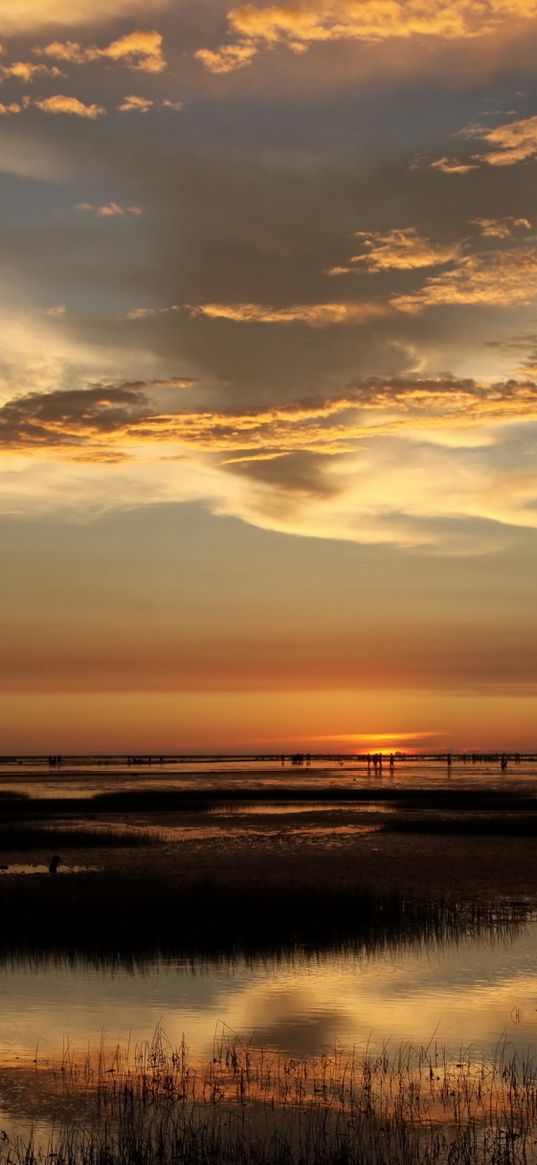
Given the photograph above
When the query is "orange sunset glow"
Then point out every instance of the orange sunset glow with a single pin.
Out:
(268, 376)
(268, 618)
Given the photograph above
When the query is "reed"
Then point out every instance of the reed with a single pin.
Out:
(221, 911)
(160, 801)
(484, 824)
(29, 838)
(251, 1106)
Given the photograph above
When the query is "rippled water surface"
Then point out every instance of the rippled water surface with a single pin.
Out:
(471, 995)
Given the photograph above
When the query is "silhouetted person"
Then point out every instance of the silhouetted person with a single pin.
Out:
(54, 863)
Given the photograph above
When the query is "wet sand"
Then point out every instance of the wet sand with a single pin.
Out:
(274, 849)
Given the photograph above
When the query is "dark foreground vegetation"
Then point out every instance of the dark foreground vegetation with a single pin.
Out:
(485, 824)
(251, 1107)
(106, 915)
(17, 806)
(24, 838)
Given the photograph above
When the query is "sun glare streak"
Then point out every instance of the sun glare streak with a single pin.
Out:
(380, 742)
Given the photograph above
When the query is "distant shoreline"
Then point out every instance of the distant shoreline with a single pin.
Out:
(462, 757)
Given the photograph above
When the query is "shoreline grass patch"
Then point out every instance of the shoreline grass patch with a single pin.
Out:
(252, 1106)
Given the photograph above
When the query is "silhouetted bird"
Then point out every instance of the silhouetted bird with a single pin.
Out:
(54, 863)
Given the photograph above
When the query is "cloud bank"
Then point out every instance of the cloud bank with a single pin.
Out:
(302, 24)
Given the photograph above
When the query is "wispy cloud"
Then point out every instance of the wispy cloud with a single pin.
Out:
(400, 249)
(410, 461)
(64, 103)
(323, 424)
(27, 16)
(58, 312)
(147, 313)
(453, 166)
(26, 72)
(501, 228)
(227, 58)
(141, 50)
(510, 143)
(132, 103)
(60, 104)
(109, 209)
(299, 25)
(516, 141)
(523, 350)
(313, 315)
(494, 279)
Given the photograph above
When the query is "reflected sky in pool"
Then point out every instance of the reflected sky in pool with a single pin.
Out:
(468, 995)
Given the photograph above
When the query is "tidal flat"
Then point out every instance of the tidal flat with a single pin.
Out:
(376, 936)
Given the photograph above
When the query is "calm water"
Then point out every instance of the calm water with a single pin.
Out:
(473, 999)
(469, 996)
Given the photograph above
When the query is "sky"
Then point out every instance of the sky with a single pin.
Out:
(268, 361)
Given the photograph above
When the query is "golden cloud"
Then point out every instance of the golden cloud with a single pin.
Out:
(123, 416)
(26, 16)
(26, 72)
(453, 166)
(402, 250)
(109, 210)
(313, 315)
(134, 104)
(501, 228)
(511, 143)
(334, 467)
(69, 105)
(303, 23)
(174, 382)
(141, 49)
(146, 313)
(7, 110)
(228, 58)
(493, 279)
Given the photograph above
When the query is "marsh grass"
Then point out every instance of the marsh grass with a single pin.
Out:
(159, 801)
(253, 1106)
(212, 912)
(26, 838)
(484, 824)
